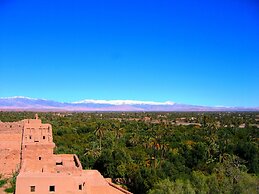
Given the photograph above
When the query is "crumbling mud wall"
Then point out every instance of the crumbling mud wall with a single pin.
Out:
(10, 147)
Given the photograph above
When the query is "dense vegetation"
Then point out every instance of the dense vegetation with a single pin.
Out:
(162, 152)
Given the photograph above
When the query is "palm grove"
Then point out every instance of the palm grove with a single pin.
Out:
(162, 152)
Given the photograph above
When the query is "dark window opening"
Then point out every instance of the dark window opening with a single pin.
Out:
(80, 187)
(36, 141)
(52, 188)
(59, 163)
(30, 136)
(76, 162)
(43, 137)
(39, 158)
(32, 188)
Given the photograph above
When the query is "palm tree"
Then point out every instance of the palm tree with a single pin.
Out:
(119, 132)
(134, 139)
(94, 151)
(155, 146)
(99, 132)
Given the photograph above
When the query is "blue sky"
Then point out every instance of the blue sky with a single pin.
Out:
(195, 52)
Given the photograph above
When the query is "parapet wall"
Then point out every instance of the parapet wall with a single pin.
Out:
(11, 127)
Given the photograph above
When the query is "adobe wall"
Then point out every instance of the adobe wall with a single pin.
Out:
(38, 158)
(36, 132)
(65, 184)
(10, 147)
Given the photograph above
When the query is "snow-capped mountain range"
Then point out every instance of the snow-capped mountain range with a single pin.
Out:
(21, 103)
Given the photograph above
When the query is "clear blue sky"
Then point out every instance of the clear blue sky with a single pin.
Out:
(195, 52)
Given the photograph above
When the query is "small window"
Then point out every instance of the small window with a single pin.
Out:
(44, 137)
(59, 163)
(80, 187)
(52, 188)
(30, 136)
(39, 158)
(32, 188)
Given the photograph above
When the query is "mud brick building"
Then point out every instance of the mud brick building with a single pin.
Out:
(27, 147)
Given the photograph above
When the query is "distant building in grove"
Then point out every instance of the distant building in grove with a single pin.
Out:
(27, 147)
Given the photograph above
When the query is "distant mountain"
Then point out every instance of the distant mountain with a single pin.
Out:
(20, 103)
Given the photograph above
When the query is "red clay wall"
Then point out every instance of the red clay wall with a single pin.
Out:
(10, 147)
(65, 184)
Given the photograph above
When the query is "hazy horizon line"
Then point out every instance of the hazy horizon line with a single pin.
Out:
(124, 101)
